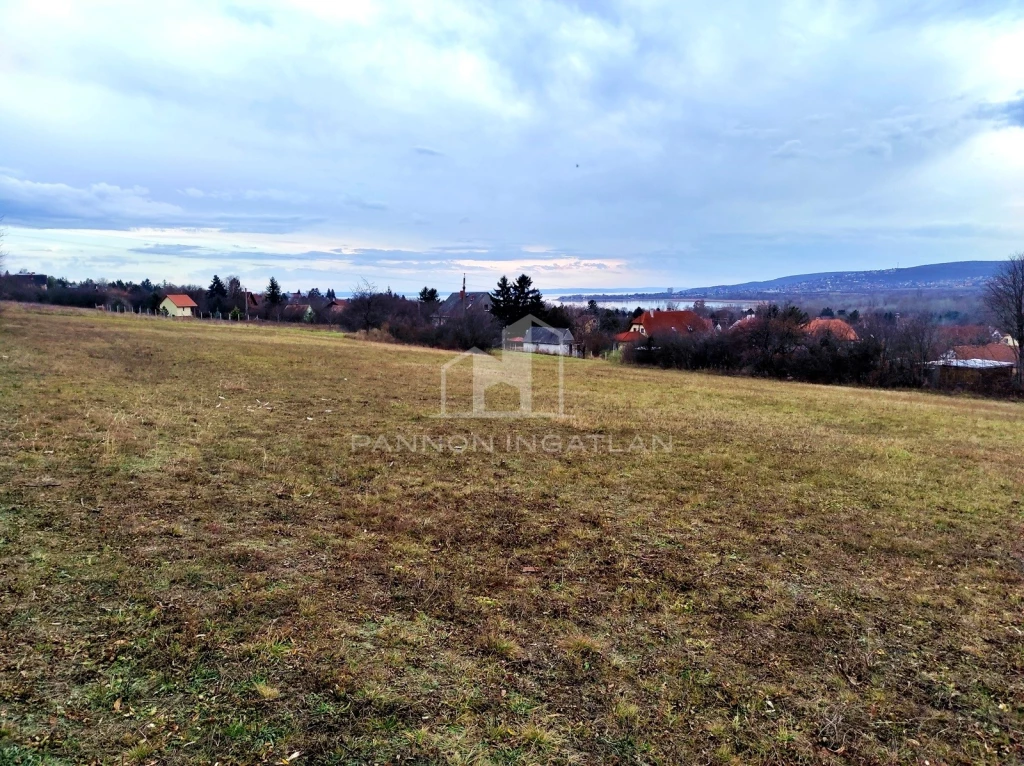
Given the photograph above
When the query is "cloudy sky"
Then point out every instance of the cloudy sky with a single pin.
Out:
(610, 143)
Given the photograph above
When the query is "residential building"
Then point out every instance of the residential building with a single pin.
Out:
(178, 305)
(298, 312)
(990, 352)
(655, 323)
(549, 340)
(458, 305)
(837, 328)
(37, 281)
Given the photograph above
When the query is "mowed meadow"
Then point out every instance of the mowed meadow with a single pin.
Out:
(197, 566)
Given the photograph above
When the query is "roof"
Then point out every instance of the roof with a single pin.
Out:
(182, 301)
(991, 352)
(551, 336)
(297, 309)
(971, 364)
(671, 321)
(474, 301)
(628, 337)
(837, 328)
(747, 321)
(33, 279)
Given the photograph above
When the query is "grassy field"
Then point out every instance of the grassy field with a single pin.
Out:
(197, 566)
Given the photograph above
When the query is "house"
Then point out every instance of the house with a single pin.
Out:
(978, 366)
(748, 320)
(629, 336)
(178, 305)
(458, 305)
(35, 281)
(990, 352)
(663, 324)
(298, 312)
(253, 301)
(331, 311)
(1006, 340)
(548, 340)
(837, 328)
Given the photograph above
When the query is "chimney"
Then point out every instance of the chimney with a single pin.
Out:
(462, 295)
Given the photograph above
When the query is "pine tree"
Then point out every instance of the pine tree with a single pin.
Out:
(503, 302)
(428, 295)
(273, 296)
(216, 289)
(512, 301)
(527, 297)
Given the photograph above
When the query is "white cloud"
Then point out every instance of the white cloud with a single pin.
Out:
(97, 201)
(608, 129)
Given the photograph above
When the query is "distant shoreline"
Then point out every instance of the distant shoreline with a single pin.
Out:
(620, 297)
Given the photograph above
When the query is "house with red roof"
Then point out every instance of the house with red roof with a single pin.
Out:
(837, 328)
(990, 352)
(178, 305)
(663, 324)
(972, 366)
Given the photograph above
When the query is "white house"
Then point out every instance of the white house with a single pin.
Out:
(178, 305)
(548, 340)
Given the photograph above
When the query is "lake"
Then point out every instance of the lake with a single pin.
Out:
(663, 304)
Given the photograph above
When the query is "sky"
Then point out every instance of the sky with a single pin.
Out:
(603, 144)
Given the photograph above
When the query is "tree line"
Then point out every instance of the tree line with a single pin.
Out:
(891, 349)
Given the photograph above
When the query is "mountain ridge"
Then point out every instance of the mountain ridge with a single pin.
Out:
(955, 275)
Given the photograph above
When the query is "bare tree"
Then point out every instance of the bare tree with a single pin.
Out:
(1004, 296)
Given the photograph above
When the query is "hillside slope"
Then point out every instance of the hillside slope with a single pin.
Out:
(967, 276)
(200, 564)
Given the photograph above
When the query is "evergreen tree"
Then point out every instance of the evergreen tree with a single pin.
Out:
(216, 289)
(503, 302)
(428, 295)
(215, 295)
(528, 298)
(273, 296)
(330, 294)
(512, 301)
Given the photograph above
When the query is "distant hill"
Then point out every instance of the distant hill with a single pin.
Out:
(959, 275)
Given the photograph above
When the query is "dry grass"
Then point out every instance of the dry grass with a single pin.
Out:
(196, 567)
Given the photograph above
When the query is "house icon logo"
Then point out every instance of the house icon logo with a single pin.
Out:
(511, 371)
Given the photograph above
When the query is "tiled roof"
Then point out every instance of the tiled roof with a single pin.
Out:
(655, 322)
(476, 301)
(628, 337)
(993, 352)
(747, 321)
(182, 301)
(835, 327)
